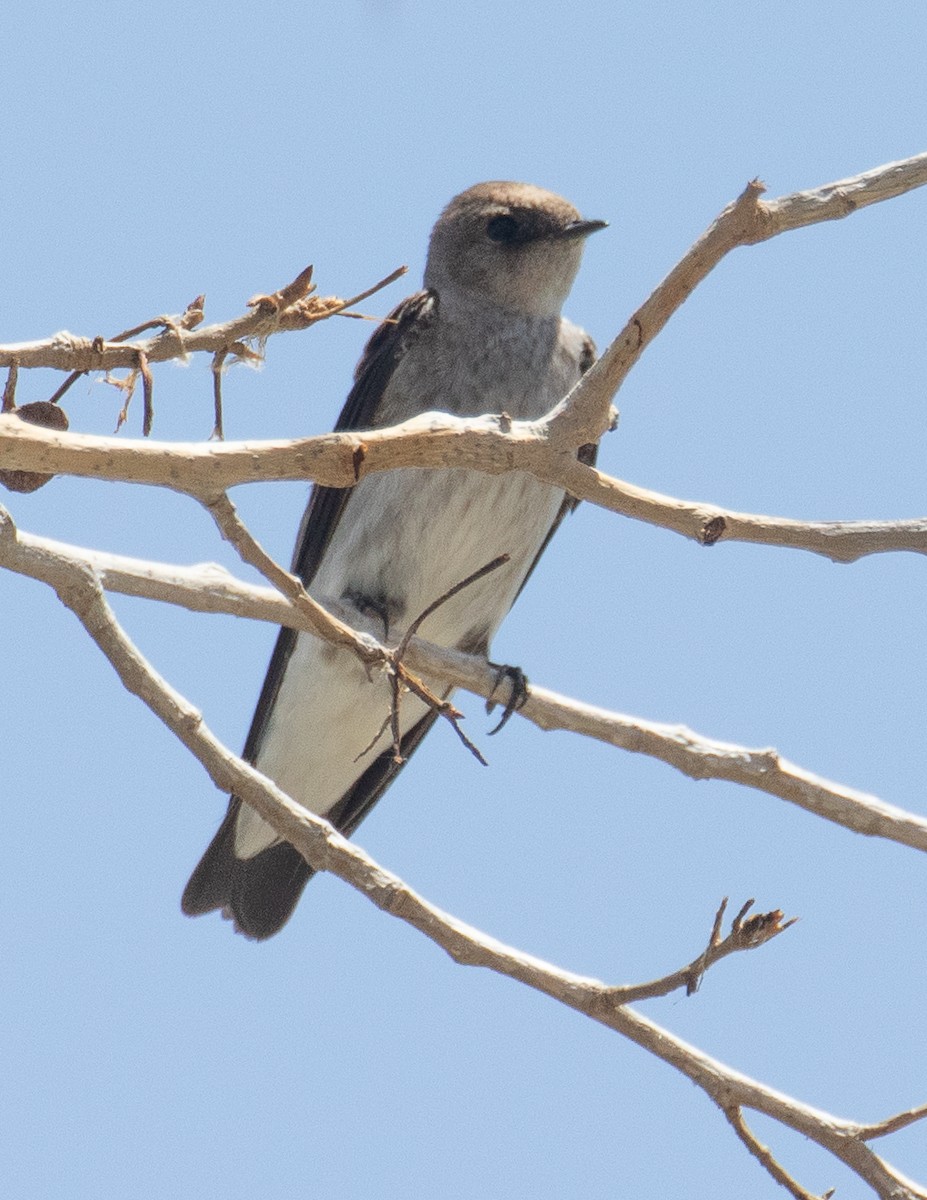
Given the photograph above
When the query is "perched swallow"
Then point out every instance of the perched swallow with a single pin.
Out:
(484, 336)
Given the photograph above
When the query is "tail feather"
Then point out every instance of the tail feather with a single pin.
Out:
(258, 894)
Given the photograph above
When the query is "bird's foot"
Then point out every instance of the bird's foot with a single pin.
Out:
(517, 692)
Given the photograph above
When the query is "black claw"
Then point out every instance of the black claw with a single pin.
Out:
(518, 692)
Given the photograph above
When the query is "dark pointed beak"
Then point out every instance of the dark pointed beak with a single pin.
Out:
(581, 229)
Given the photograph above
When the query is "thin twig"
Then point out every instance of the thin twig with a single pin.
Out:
(443, 707)
(744, 935)
(218, 363)
(127, 387)
(9, 389)
(764, 1156)
(892, 1124)
(401, 675)
(65, 386)
(191, 316)
(147, 390)
(415, 625)
(377, 287)
(402, 679)
(319, 621)
(189, 319)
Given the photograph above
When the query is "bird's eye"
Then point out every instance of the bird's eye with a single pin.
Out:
(502, 229)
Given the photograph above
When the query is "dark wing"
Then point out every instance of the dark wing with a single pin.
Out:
(261, 892)
(326, 505)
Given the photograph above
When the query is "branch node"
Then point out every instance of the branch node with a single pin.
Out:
(712, 531)
(280, 300)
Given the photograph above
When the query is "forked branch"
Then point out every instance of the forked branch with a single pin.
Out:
(327, 850)
(547, 450)
(210, 588)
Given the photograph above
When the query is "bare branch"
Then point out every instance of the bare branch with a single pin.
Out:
(708, 524)
(331, 459)
(547, 449)
(210, 588)
(892, 1124)
(432, 440)
(703, 758)
(764, 1156)
(327, 850)
(586, 412)
(68, 352)
(318, 620)
(833, 201)
(744, 935)
(544, 448)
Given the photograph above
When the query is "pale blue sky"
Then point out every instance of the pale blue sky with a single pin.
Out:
(152, 154)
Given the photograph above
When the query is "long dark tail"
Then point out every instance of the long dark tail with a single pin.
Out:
(258, 893)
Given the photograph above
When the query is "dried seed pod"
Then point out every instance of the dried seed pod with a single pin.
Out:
(39, 412)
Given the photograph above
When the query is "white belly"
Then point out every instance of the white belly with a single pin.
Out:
(406, 537)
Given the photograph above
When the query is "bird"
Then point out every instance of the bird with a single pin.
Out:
(484, 335)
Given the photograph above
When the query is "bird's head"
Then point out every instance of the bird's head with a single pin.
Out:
(513, 244)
